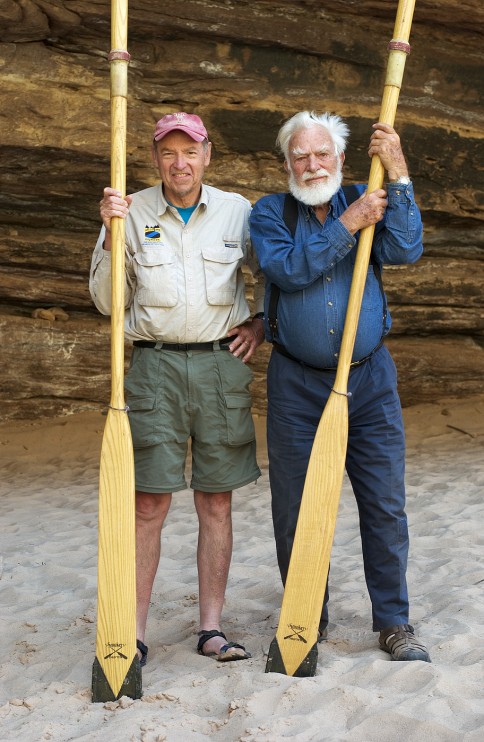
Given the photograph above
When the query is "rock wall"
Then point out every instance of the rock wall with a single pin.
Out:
(244, 67)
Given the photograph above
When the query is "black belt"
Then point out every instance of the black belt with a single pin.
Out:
(281, 349)
(222, 344)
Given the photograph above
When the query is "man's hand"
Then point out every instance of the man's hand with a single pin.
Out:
(247, 338)
(385, 143)
(367, 210)
(112, 204)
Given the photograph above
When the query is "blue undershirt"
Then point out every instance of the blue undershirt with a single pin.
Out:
(185, 213)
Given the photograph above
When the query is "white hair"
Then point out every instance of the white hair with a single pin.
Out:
(333, 124)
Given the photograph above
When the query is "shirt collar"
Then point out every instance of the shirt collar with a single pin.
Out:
(163, 203)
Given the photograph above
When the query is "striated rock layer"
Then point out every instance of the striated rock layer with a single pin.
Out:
(244, 67)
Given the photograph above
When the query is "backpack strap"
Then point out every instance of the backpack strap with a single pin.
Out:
(290, 216)
(290, 213)
(351, 194)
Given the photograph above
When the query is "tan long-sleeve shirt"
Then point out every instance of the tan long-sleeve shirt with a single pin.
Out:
(184, 282)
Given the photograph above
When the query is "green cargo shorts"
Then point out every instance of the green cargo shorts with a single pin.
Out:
(200, 396)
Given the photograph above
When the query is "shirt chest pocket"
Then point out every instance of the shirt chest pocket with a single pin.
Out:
(220, 264)
(156, 278)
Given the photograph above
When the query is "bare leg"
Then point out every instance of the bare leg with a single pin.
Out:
(213, 559)
(151, 511)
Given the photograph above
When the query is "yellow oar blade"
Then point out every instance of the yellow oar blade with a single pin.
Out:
(293, 651)
(116, 670)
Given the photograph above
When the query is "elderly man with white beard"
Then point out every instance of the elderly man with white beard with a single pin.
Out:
(306, 244)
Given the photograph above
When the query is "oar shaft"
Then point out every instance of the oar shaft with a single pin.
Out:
(118, 181)
(119, 25)
(118, 60)
(398, 51)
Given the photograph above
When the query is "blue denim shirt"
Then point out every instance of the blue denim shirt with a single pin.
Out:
(314, 272)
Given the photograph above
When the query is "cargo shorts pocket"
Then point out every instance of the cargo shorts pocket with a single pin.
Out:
(144, 420)
(240, 425)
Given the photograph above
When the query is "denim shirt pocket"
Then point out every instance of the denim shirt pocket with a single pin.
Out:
(372, 296)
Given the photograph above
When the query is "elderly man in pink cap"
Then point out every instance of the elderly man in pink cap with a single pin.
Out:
(189, 321)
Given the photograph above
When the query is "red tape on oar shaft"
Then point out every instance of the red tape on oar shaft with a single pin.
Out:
(118, 54)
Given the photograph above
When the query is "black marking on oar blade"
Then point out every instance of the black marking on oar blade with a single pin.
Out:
(307, 668)
(131, 686)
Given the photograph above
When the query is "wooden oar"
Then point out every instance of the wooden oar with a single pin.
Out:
(116, 670)
(293, 651)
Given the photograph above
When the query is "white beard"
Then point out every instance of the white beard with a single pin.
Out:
(316, 194)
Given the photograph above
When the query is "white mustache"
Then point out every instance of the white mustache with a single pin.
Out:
(318, 174)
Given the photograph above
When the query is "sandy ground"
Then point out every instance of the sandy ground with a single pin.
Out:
(48, 583)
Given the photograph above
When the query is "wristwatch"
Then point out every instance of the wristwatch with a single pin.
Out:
(402, 180)
(259, 315)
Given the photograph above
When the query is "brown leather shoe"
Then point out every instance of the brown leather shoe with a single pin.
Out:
(401, 644)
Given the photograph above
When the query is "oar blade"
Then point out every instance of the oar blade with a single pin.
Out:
(131, 686)
(294, 649)
(116, 669)
(275, 662)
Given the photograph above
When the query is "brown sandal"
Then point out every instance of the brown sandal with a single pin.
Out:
(402, 645)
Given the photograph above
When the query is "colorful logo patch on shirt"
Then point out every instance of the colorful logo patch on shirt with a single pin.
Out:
(152, 234)
(231, 244)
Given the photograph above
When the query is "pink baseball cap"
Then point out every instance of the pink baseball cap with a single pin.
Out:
(187, 122)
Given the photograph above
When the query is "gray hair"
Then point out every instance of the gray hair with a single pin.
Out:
(334, 125)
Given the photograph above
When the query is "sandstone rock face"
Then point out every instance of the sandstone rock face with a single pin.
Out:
(244, 67)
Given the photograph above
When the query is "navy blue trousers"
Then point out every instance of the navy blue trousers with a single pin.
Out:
(375, 464)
